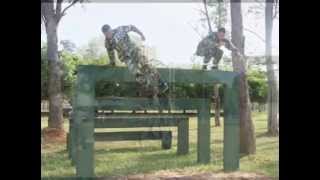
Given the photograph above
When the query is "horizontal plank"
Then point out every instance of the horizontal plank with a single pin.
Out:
(129, 136)
(193, 114)
(130, 122)
(146, 103)
(171, 75)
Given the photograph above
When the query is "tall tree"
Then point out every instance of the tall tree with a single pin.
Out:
(273, 89)
(51, 14)
(247, 131)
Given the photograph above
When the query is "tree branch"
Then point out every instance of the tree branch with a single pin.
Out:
(207, 15)
(58, 8)
(196, 30)
(276, 6)
(65, 9)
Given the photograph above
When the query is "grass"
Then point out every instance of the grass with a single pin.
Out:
(136, 157)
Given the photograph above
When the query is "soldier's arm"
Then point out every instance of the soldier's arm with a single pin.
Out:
(111, 54)
(135, 29)
(229, 45)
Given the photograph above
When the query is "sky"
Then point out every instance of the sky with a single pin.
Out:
(166, 26)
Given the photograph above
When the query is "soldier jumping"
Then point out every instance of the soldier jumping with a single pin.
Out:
(209, 47)
(132, 54)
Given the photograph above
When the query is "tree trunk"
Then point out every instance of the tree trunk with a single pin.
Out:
(273, 91)
(247, 131)
(217, 105)
(55, 74)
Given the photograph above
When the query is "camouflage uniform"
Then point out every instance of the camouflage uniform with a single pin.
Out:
(132, 54)
(209, 48)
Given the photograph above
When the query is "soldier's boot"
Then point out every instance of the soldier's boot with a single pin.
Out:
(214, 67)
(206, 60)
(204, 67)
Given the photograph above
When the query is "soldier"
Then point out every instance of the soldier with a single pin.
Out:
(209, 48)
(132, 54)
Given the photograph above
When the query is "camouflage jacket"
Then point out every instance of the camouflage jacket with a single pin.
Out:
(210, 42)
(119, 41)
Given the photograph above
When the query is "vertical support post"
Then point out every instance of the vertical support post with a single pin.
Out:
(204, 132)
(84, 121)
(68, 145)
(85, 151)
(72, 139)
(231, 143)
(69, 148)
(166, 141)
(183, 136)
(73, 143)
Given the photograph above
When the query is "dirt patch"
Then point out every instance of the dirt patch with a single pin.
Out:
(53, 135)
(199, 176)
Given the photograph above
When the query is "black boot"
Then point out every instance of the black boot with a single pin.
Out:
(214, 67)
(204, 67)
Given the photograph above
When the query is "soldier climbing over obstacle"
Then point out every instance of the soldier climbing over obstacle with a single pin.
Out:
(132, 54)
(209, 47)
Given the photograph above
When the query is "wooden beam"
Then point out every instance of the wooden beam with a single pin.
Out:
(130, 136)
(121, 74)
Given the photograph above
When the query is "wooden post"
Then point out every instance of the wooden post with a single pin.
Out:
(204, 132)
(166, 140)
(216, 105)
(231, 143)
(183, 136)
(84, 120)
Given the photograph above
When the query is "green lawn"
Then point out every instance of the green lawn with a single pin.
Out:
(136, 157)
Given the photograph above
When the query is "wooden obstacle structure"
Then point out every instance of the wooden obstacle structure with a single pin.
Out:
(85, 105)
(133, 121)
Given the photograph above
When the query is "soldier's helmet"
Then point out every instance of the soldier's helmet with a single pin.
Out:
(105, 28)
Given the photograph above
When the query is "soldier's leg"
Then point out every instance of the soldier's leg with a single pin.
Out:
(206, 61)
(217, 57)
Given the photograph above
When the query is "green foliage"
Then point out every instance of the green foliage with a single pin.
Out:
(258, 87)
(70, 62)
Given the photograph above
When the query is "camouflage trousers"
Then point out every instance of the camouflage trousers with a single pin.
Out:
(216, 55)
(208, 49)
(139, 65)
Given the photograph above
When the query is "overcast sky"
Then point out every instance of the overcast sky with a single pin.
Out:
(167, 27)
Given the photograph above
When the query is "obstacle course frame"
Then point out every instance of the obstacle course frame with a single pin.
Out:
(85, 104)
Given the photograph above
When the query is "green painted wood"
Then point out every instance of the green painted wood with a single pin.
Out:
(183, 137)
(84, 120)
(85, 104)
(166, 141)
(73, 143)
(231, 145)
(85, 149)
(68, 145)
(132, 121)
(130, 135)
(204, 132)
(145, 103)
(121, 74)
(188, 114)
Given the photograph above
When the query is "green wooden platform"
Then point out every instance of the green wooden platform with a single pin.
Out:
(85, 105)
